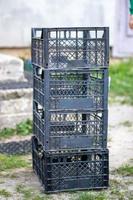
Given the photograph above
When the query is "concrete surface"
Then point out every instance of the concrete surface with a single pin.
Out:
(15, 106)
(11, 68)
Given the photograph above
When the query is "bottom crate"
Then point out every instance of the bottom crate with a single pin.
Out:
(70, 171)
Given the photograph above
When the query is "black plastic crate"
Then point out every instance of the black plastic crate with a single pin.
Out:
(71, 89)
(75, 129)
(70, 47)
(70, 171)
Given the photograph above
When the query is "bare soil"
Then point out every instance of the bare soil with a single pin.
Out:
(120, 136)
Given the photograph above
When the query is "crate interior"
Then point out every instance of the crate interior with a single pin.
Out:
(70, 89)
(70, 47)
(70, 129)
(76, 84)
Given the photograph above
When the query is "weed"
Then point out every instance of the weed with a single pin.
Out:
(127, 123)
(22, 129)
(125, 170)
(29, 193)
(11, 162)
(5, 193)
(118, 193)
(91, 196)
(38, 197)
(1, 182)
(114, 182)
(7, 132)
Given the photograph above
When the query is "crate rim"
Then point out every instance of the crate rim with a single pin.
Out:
(72, 69)
(80, 28)
(69, 152)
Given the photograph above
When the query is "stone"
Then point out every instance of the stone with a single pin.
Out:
(15, 106)
(11, 69)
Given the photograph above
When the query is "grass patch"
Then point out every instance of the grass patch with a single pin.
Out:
(29, 193)
(109, 139)
(12, 161)
(1, 182)
(38, 197)
(91, 196)
(117, 189)
(5, 193)
(117, 193)
(114, 182)
(127, 124)
(125, 170)
(21, 129)
(122, 80)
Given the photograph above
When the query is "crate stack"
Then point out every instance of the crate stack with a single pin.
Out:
(70, 107)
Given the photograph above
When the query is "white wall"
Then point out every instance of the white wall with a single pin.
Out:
(18, 16)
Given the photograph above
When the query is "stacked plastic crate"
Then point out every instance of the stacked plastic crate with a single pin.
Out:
(70, 107)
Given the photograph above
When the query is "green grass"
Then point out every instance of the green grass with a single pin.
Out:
(29, 193)
(38, 197)
(91, 196)
(116, 192)
(122, 80)
(22, 129)
(125, 170)
(5, 193)
(8, 162)
(127, 123)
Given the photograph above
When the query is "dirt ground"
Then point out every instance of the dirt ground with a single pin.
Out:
(120, 134)
(24, 185)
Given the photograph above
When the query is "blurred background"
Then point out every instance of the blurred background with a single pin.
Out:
(16, 20)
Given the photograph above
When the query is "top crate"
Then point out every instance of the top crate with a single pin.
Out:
(70, 47)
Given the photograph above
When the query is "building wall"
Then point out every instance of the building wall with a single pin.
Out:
(18, 16)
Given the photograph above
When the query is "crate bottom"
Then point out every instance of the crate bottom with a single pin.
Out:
(70, 189)
(68, 171)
